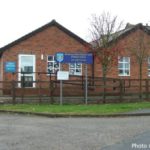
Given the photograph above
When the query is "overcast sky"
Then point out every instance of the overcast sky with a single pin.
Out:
(19, 17)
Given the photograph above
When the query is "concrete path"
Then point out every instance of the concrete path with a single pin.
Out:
(140, 111)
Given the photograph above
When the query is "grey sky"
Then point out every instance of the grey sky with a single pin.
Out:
(19, 17)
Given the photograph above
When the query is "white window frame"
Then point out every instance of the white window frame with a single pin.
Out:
(148, 68)
(124, 66)
(19, 69)
(53, 66)
(75, 68)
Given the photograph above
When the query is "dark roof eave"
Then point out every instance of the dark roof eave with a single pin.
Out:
(52, 23)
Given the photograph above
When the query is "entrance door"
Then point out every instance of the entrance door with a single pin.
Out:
(26, 70)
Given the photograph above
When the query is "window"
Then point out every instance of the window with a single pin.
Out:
(26, 70)
(52, 65)
(148, 66)
(124, 66)
(75, 69)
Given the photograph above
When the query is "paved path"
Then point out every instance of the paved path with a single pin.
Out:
(21, 132)
(140, 111)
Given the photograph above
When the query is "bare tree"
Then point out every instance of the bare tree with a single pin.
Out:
(139, 51)
(104, 31)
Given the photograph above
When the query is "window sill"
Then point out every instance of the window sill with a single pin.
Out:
(124, 75)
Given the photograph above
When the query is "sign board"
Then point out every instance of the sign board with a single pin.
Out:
(85, 58)
(62, 75)
(59, 57)
(10, 67)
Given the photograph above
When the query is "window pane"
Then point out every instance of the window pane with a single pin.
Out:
(126, 59)
(126, 72)
(26, 61)
(28, 69)
(75, 69)
(72, 65)
(26, 81)
(127, 66)
(78, 71)
(50, 58)
(124, 66)
(56, 65)
(149, 66)
(149, 72)
(120, 65)
(50, 70)
(120, 72)
(121, 59)
(72, 71)
(52, 65)
(78, 65)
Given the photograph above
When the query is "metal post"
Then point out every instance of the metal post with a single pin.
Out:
(61, 89)
(86, 85)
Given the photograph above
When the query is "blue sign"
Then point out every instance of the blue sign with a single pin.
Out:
(10, 66)
(59, 57)
(85, 58)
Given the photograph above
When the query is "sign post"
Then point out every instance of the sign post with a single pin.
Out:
(61, 88)
(62, 75)
(86, 85)
(85, 58)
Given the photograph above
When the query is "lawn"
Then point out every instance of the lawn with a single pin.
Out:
(76, 109)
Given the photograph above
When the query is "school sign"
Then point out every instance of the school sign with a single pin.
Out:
(84, 58)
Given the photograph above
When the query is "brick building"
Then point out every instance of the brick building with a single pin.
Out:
(129, 40)
(35, 52)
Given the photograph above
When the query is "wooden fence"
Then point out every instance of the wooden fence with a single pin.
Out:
(115, 90)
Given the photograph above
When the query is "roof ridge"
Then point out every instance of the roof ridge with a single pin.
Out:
(32, 33)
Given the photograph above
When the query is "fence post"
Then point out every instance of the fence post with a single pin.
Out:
(121, 90)
(22, 89)
(147, 88)
(51, 87)
(39, 83)
(13, 92)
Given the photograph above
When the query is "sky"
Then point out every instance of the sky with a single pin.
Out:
(19, 17)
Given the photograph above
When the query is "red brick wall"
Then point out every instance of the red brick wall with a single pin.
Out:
(47, 42)
(125, 43)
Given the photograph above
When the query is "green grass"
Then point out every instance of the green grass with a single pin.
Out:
(77, 109)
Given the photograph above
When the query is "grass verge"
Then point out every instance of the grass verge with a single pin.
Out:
(101, 109)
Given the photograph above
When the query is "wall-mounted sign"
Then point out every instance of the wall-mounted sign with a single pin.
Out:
(59, 57)
(62, 75)
(10, 66)
(85, 58)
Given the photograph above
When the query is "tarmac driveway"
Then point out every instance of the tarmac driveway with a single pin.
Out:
(22, 132)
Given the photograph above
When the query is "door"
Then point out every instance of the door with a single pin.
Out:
(26, 70)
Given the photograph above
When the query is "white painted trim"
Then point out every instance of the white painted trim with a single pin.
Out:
(124, 75)
(76, 74)
(53, 64)
(19, 67)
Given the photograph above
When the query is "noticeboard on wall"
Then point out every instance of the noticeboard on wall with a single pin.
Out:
(10, 67)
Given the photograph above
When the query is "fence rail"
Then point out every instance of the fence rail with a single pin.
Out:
(114, 90)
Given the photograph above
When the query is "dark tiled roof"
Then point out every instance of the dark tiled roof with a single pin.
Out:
(52, 23)
(128, 29)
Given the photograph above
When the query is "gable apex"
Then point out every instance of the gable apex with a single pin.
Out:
(42, 28)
